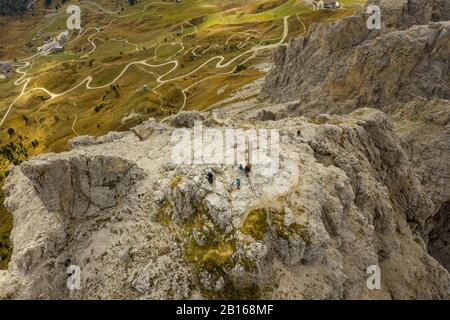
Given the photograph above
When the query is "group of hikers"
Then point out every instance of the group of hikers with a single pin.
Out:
(245, 170)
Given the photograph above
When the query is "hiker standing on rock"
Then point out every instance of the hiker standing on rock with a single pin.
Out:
(210, 177)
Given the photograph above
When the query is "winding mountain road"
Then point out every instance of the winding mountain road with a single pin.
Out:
(220, 64)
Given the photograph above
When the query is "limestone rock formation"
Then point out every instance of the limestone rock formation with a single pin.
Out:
(345, 197)
(402, 69)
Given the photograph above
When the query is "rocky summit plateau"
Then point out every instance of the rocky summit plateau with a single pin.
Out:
(363, 180)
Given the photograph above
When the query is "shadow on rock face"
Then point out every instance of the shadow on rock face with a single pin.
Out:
(439, 237)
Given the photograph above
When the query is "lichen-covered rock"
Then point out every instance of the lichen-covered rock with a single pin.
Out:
(251, 264)
(185, 119)
(185, 196)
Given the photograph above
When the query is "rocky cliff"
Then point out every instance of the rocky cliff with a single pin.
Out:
(344, 65)
(356, 187)
(345, 198)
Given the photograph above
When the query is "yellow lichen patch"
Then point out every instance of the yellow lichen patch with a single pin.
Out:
(255, 224)
(176, 182)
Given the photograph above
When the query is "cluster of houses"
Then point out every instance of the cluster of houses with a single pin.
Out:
(54, 45)
(6, 71)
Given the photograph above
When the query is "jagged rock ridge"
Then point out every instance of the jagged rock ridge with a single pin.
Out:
(139, 227)
(348, 195)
